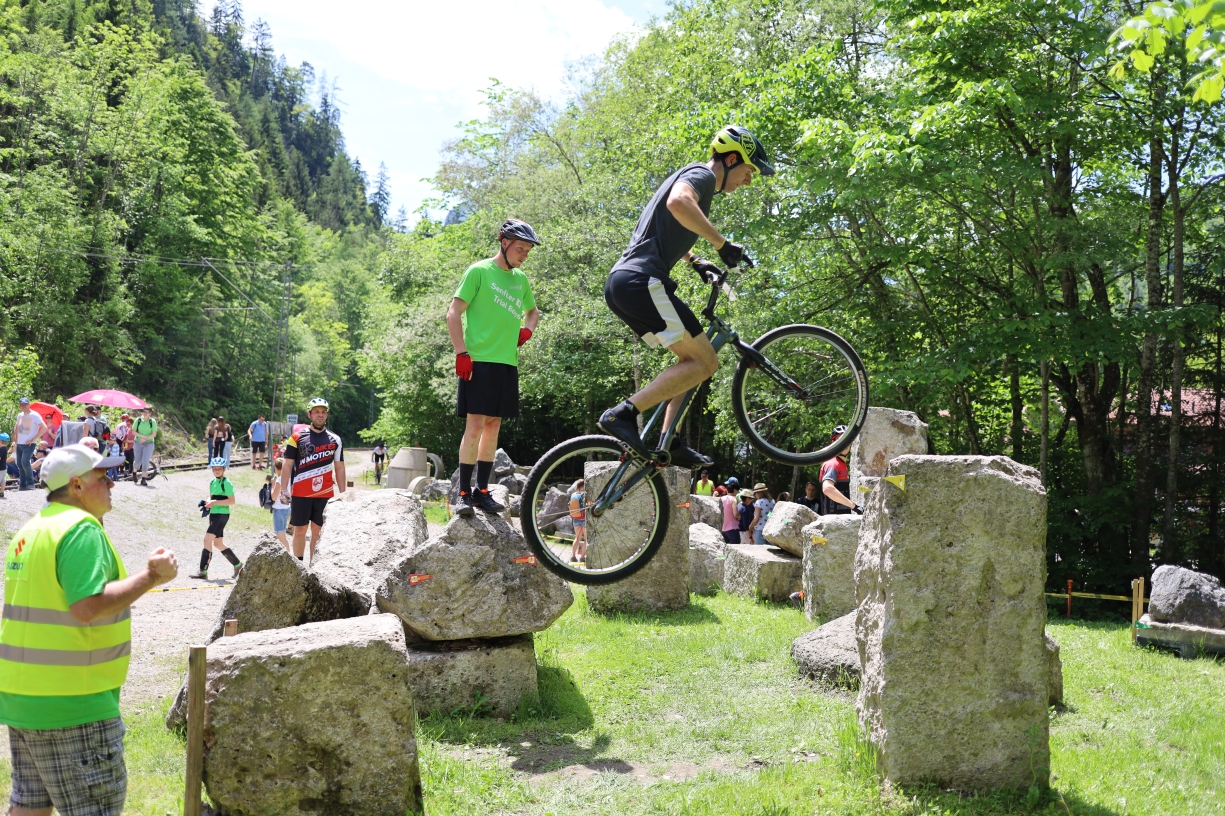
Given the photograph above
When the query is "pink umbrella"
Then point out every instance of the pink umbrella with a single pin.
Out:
(115, 399)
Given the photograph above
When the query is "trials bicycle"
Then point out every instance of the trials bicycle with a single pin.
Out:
(791, 387)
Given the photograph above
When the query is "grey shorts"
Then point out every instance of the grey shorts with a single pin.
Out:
(78, 770)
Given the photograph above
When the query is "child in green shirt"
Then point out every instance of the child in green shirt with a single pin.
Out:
(221, 499)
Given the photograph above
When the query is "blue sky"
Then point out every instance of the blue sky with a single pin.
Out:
(410, 72)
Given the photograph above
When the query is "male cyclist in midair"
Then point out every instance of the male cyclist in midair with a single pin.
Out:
(642, 293)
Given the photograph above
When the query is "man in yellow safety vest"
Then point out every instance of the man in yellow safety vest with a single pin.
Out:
(65, 640)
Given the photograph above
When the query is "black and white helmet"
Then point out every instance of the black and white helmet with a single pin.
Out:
(839, 430)
(513, 228)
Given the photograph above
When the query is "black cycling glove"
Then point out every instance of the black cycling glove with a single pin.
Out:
(705, 269)
(858, 510)
(733, 254)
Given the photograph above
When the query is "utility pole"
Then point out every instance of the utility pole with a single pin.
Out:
(279, 379)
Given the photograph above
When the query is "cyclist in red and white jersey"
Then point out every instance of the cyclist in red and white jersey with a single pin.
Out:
(313, 470)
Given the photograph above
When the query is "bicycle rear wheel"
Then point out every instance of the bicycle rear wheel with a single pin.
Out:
(621, 536)
(793, 425)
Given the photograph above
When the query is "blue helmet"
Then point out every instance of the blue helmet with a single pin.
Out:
(218, 461)
(4, 437)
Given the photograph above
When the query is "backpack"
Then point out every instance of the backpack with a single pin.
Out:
(102, 429)
(265, 496)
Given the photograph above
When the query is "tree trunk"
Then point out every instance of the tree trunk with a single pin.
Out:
(1018, 419)
(1169, 539)
(1044, 449)
(1145, 421)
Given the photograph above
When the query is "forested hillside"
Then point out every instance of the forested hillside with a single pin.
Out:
(1024, 246)
(137, 139)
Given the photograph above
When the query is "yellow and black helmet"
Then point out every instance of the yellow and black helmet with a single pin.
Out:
(734, 139)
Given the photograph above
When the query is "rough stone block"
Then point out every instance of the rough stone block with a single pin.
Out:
(753, 571)
(480, 584)
(367, 533)
(829, 566)
(1180, 595)
(829, 653)
(502, 464)
(1054, 677)
(275, 590)
(555, 513)
(707, 555)
(317, 719)
(705, 510)
(785, 527)
(950, 576)
(664, 582)
(451, 674)
(886, 433)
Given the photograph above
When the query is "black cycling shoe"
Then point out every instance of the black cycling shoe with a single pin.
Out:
(623, 430)
(482, 500)
(686, 457)
(463, 507)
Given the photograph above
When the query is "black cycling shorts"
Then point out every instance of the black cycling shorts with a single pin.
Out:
(307, 510)
(493, 391)
(216, 524)
(650, 307)
(259, 447)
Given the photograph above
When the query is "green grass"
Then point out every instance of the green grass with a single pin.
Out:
(711, 692)
(436, 513)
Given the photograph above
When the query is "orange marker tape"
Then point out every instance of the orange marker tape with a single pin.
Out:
(685, 505)
(414, 578)
(526, 559)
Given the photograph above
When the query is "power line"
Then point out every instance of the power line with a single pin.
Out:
(84, 252)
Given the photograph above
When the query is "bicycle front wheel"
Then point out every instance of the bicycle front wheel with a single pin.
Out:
(810, 381)
(624, 504)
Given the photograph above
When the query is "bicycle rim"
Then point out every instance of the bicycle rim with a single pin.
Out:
(795, 428)
(620, 537)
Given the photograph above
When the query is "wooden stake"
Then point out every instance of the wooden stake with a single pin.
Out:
(1134, 615)
(1069, 597)
(197, 670)
(231, 627)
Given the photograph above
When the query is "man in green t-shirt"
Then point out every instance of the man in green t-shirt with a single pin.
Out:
(65, 642)
(220, 500)
(484, 322)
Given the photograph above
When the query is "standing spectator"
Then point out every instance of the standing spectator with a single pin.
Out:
(731, 517)
(4, 458)
(220, 500)
(578, 515)
(258, 433)
(129, 438)
(281, 505)
(114, 451)
(87, 441)
(810, 499)
(225, 432)
(746, 516)
(836, 482)
(26, 432)
(762, 505)
(483, 322)
(120, 434)
(62, 674)
(704, 487)
(720, 491)
(733, 485)
(210, 433)
(784, 496)
(144, 432)
(314, 468)
(91, 422)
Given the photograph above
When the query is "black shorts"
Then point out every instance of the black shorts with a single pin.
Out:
(731, 536)
(259, 447)
(307, 510)
(492, 391)
(650, 307)
(216, 524)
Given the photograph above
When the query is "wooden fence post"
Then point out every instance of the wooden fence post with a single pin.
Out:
(197, 670)
(1069, 597)
(231, 627)
(1135, 616)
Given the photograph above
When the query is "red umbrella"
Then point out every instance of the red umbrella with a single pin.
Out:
(115, 399)
(52, 415)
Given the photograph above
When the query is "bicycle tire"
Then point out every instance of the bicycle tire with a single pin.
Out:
(541, 478)
(850, 410)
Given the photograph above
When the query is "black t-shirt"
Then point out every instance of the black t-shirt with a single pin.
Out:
(659, 239)
(812, 504)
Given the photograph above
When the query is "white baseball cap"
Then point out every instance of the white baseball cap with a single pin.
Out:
(63, 463)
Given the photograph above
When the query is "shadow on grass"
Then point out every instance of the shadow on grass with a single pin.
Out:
(692, 615)
(982, 803)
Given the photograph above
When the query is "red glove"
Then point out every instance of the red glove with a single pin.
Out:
(463, 366)
(524, 335)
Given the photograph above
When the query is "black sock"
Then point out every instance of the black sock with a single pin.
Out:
(205, 557)
(230, 556)
(300, 557)
(465, 477)
(626, 410)
(483, 471)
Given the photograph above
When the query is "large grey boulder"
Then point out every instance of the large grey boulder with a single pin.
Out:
(664, 582)
(1181, 595)
(367, 533)
(785, 527)
(887, 433)
(950, 576)
(705, 510)
(316, 719)
(752, 571)
(829, 653)
(498, 491)
(437, 490)
(1054, 676)
(513, 482)
(829, 566)
(707, 555)
(502, 464)
(482, 676)
(554, 515)
(275, 590)
(482, 583)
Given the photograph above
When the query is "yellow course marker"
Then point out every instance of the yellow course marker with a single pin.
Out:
(865, 489)
(817, 541)
(900, 481)
(189, 589)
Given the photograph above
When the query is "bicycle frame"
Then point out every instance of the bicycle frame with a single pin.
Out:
(720, 334)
